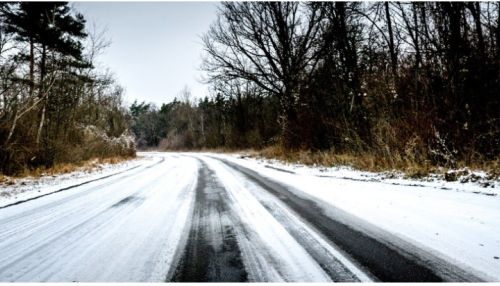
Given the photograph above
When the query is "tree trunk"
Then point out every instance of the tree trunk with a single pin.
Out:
(32, 67)
(498, 34)
(476, 14)
(41, 94)
(392, 51)
(13, 127)
(40, 126)
(43, 69)
(290, 126)
(418, 56)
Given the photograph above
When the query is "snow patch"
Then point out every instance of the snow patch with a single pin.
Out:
(16, 190)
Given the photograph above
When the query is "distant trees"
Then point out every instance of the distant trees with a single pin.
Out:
(404, 81)
(146, 125)
(50, 92)
(244, 121)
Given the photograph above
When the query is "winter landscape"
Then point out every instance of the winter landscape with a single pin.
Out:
(249, 142)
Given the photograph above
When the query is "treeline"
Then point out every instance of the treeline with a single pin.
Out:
(405, 81)
(55, 106)
(242, 121)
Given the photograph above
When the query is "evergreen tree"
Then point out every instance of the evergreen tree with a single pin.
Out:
(53, 29)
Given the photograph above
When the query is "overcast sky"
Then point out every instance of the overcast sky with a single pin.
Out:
(156, 46)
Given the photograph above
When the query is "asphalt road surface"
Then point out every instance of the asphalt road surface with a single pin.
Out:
(191, 217)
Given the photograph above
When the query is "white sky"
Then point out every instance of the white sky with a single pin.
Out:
(155, 46)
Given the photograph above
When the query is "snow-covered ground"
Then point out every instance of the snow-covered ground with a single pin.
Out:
(123, 228)
(458, 221)
(134, 221)
(21, 189)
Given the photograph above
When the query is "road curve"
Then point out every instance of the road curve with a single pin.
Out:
(191, 217)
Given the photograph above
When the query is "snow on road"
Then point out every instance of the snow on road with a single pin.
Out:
(282, 235)
(169, 214)
(459, 223)
(125, 228)
(264, 243)
(28, 188)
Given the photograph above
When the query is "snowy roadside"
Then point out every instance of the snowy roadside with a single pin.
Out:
(21, 189)
(459, 222)
(461, 180)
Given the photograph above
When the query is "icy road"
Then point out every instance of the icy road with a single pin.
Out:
(197, 217)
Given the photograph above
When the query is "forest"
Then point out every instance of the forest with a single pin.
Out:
(56, 106)
(378, 85)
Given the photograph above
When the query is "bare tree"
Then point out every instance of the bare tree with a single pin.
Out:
(273, 44)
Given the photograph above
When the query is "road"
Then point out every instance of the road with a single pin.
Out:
(193, 217)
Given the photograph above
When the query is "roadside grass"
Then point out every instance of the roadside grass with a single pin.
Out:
(4, 179)
(64, 168)
(411, 167)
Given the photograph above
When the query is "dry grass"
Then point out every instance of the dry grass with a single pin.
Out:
(64, 168)
(324, 158)
(375, 163)
(4, 179)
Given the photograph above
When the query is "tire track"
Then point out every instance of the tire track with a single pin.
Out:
(384, 261)
(212, 253)
(333, 262)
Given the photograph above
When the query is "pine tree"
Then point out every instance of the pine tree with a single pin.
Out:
(51, 27)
